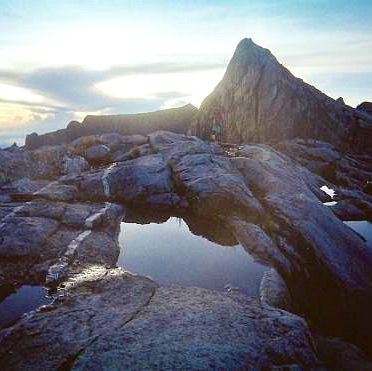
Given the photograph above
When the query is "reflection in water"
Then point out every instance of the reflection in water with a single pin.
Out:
(25, 299)
(200, 253)
(364, 228)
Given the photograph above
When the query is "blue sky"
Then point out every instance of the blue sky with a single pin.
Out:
(62, 60)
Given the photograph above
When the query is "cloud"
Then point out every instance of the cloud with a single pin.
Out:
(69, 91)
(74, 85)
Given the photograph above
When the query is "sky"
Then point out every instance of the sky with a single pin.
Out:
(62, 60)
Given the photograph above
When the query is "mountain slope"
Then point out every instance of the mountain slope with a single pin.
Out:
(261, 101)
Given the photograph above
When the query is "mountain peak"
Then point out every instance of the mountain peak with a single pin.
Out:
(259, 100)
(247, 52)
(246, 42)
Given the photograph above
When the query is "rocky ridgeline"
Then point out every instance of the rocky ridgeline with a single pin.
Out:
(64, 231)
(259, 100)
(177, 120)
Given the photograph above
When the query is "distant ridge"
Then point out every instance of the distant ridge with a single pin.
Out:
(177, 120)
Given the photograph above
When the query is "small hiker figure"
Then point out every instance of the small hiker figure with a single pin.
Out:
(217, 127)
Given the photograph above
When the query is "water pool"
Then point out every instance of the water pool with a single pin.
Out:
(187, 252)
(364, 228)
(23, 300)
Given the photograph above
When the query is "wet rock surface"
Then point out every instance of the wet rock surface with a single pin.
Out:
(53, 230)
(111, 319)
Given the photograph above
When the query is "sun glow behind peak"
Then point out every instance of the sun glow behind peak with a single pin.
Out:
(190, 87)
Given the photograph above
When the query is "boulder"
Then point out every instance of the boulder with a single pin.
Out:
(99, 153)
(208, 181)
(257, 243)
(58, 192)
(315, 244)
(45, 162)
(112, 140)
(75, 215)
(322, 158)
(142, 181)
(49, 161)
(79, 146)
(118, 320)
(24, 185)
(15, 166)
(74, 165)
(43, 236)
(138, 181)
(42, 208)
(136, 151)
(134, 139)
(26, 237)
(174, 146)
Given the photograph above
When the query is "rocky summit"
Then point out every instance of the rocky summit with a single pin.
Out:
(259, 100)
(61, 205)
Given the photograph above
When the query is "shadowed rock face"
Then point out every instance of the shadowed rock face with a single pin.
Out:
(312, 246)
(176, 120)
(261, 101)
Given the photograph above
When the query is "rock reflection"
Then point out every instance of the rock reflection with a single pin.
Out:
(211, 229)
(186, 250)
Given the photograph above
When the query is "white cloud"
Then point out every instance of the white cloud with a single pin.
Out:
(195, 85)
(15, 116)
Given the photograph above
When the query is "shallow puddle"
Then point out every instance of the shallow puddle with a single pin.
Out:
(364, 228)
(187, 252)
(25, 299)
